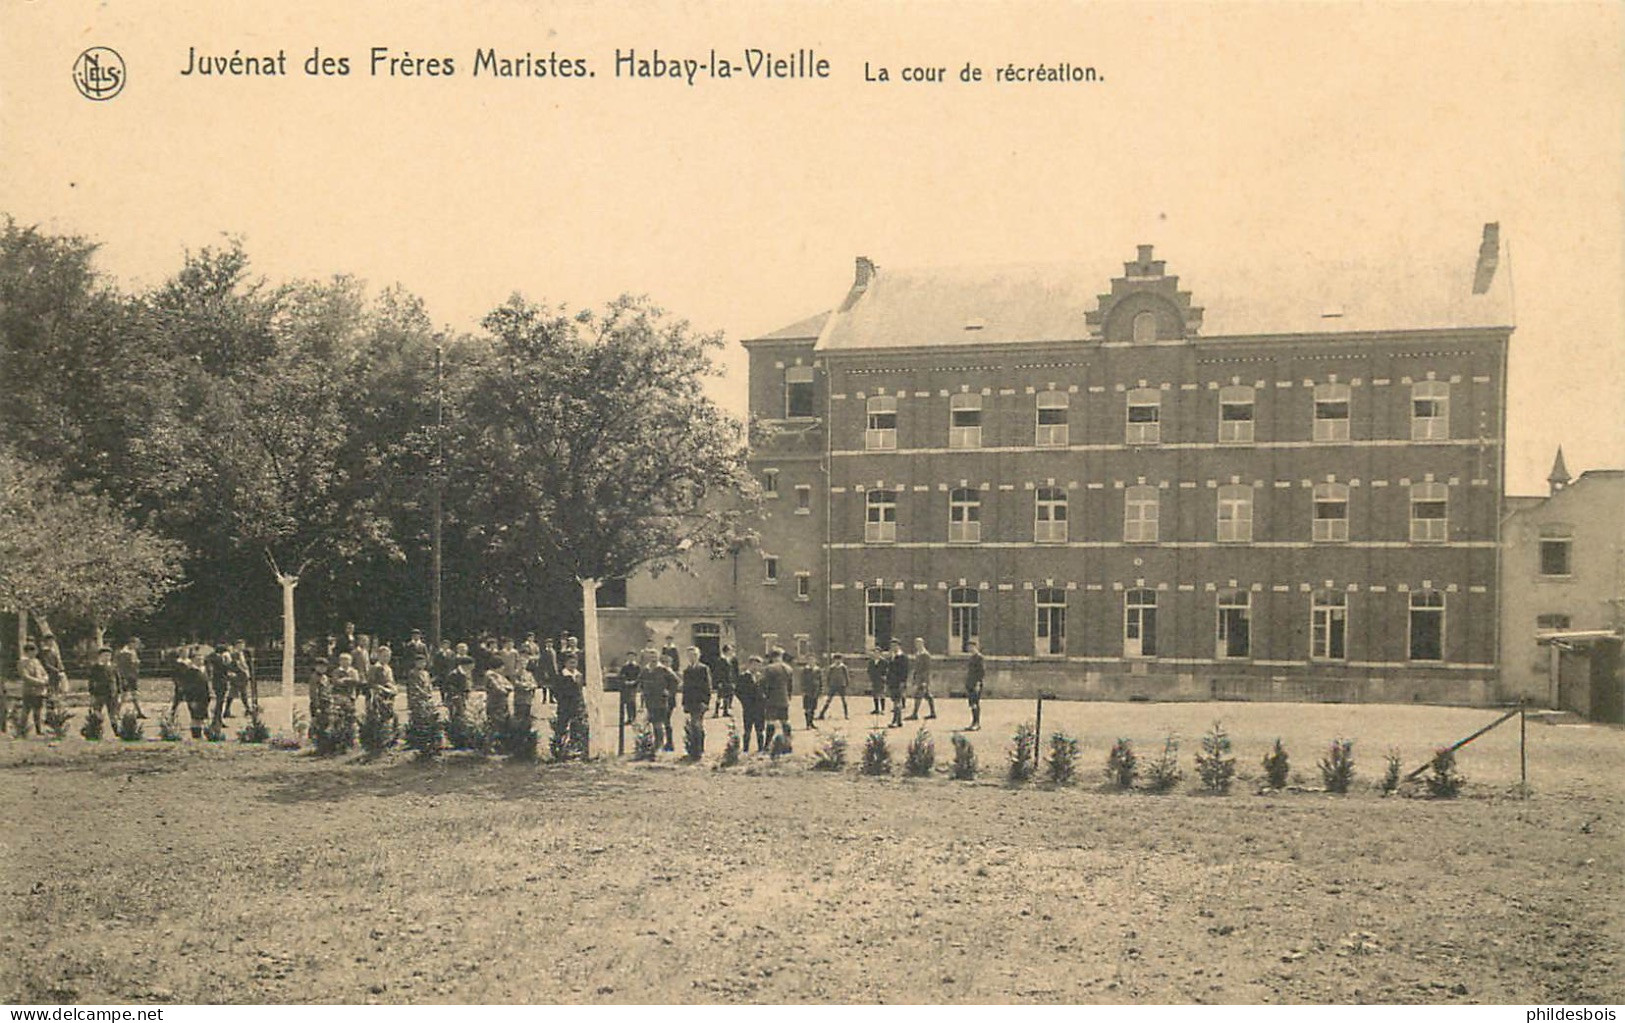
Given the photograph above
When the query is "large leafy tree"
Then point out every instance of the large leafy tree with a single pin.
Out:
(585, 447)
(67, 553)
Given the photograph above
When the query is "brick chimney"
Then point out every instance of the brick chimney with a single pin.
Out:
(865, 273)
(1489, 257)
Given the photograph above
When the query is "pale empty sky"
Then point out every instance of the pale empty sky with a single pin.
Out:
(1256, 133)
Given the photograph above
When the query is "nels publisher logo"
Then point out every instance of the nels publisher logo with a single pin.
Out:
(99, 73)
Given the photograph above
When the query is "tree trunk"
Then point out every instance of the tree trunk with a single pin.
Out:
(592, 673)
(288, 582)
(22, 637)
(99, 630)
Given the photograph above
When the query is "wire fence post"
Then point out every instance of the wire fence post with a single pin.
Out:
(1038, 730)
(1523, 748)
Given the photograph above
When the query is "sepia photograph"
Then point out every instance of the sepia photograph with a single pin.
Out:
(924, 503)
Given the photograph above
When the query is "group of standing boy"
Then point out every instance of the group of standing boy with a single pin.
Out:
(654, 683)
(513, 677)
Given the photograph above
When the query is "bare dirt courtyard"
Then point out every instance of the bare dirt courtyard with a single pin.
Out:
(197, 872)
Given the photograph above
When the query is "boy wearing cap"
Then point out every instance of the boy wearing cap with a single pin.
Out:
(192, 683)
(922, 682)
(456, 686)
(127, 666)
(749, 688)
(655, 683)
(419, 687)
(629, 688)
(811, 685)
(836, 680)
(776, 685)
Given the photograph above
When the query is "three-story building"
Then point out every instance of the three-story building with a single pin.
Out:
(1147, 491)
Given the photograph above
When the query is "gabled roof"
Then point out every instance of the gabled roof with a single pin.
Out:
(801, 330)
(966, 306)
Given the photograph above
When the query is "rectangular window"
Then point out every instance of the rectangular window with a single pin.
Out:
(1235, 415)
(964, 516)
(1236, 514)
(1328, 626)
(798, 393)
(1427, 625)
(803, 645)
(1234, 638)
(1555, 555)
(1049, 628)
(1331, 412)
(1430, 521)
(1551, 622)
(964, 618)
(803, 585)
(880, 523)
(1050, 526)
(1052, 420)
(770, 569)
(965, 421)
(770, 483)
(1140, 510)
(1430, 410)
(1140, 623)
(612, 593)
(769, 641)
(1331, 512)
(1144, 416)
(881, 434)
(803, 499)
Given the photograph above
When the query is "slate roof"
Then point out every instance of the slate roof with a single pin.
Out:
(967, 306)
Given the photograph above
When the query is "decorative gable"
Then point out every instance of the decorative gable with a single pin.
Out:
(1144, 306)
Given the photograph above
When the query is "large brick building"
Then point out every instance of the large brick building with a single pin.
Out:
(1286, 485)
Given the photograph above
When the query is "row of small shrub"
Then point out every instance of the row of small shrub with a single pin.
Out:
(131, 727)
(1215, 763)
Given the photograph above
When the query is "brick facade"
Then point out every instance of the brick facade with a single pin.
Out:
(1202, 493)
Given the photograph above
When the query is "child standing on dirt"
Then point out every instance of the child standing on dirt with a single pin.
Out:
(776, 686)
(811, 686)
(975, 673)
(748, 688)
(835, 683)
(104, 686)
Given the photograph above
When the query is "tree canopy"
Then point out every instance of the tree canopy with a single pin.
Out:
(226, 423)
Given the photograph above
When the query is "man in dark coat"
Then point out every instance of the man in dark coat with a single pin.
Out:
(218, 667)
(192, 684)
(629, 688)
(975, 672)
(896, 682)
(569, 690)
(696, 695)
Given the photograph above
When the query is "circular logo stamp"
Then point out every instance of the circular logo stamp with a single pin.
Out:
(99, 73)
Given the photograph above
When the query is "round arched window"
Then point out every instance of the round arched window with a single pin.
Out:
(1145, 327)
